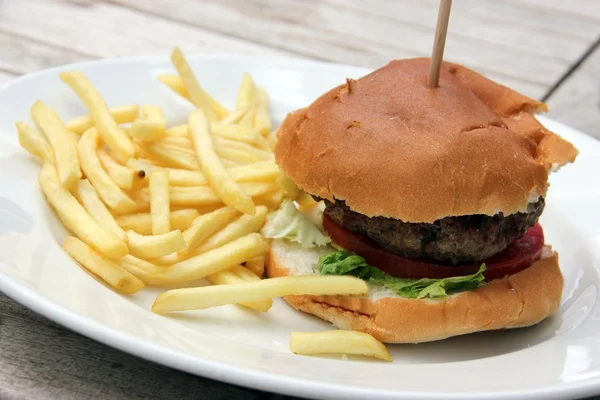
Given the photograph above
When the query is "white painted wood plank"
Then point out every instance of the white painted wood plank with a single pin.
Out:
(523, 71)
(543, 21)
(517, 14)
(577, 101)
(481, 55)
(478, 22)
(105, 30)
(350, 36)
(20, 55)
(259, 23)
(585, 9)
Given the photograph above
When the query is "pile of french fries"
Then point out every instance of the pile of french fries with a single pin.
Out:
(150, 204)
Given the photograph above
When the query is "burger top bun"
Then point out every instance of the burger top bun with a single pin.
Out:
(389, 145)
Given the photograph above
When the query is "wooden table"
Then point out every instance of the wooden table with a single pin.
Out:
(548, 49)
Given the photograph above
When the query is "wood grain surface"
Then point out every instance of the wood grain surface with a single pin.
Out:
(544, 48)
(577, 100)
(40, 359)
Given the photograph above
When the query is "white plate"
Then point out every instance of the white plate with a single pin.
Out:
(558, 358)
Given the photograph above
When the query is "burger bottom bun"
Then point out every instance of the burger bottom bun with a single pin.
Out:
(519, 300)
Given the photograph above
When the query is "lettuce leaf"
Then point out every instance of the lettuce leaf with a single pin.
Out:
(348, 263)
(289, 223)
(431, 288)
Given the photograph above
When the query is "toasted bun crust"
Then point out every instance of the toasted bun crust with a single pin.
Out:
(519, 300)
(391, 146)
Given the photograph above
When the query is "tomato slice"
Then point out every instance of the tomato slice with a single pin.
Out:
(516, 257)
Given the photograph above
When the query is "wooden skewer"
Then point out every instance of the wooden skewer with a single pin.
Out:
(439, 42)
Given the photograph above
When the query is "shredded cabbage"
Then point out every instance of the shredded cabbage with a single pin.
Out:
(289, 223)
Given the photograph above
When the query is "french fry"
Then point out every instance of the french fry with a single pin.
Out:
(233, 276)
(227, 189)
(256, 265)
(177, 177)
(112, 134)
(35, 144)
(236, 116)
(152, 274)
(147, 157)
(211, 262)
(248, 119)
(251, 151)
(148, 247)
(272, 140)
(159, 202)
(226, 277)
(271, 200)
(178, 130)
(198, 96)
(96, 208)
(218, 259)
(179, 141)
(178, 148)
(230, 163)
(199, 298)
(61, 140)
(142, 207)
(75, 218)
(263, 171)
(175, 83)
(197, 196)
(235, 155)
(151, 125)
(305, 201)
(247, 94)
(142, 223)
(123, 114)
(245, 273)
(144, 270)
(262, 121)
(107, 270)
(190, 196)
(239, 133)
(247, 99)
(148, 161)
(205, 226)
(107, 189)
(244, 225)
(208, 209)
(170, 156)
(338, 342)
(201, 229)
(124, 177)
(289, 186)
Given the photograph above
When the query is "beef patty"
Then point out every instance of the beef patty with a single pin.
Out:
(451, 240)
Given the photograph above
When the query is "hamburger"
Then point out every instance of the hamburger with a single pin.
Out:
(432, 195)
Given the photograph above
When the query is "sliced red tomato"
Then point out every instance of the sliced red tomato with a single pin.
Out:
(518, 256)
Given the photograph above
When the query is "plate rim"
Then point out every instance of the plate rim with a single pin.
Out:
(161, 57)
(221, 371)
(176, 359)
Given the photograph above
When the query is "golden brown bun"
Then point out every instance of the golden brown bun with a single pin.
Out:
(519, 300)
(391, 146)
